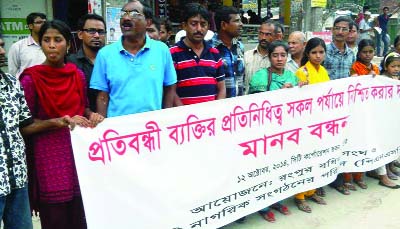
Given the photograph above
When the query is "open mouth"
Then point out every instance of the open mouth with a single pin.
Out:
(126, 26)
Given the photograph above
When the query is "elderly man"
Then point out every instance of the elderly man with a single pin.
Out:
(297, 43)
(135, 74)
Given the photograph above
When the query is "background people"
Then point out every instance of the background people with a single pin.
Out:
(27, 52)
(226, 40)
(383, 20)
(257, 58)
(92, 32)
(197, 82)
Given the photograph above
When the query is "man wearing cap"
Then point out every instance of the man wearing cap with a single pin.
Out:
(365, 28)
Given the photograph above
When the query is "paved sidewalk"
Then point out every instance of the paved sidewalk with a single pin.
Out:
(376, 207)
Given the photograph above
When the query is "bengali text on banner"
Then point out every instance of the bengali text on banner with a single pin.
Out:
(206, 165)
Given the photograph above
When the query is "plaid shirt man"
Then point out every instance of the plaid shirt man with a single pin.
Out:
(234, 65)
(338, 64)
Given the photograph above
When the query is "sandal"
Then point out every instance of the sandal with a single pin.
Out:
(302, 205)
(317, 199)
(350, 186)
(321, 192)
(343, 190)
(281, 208)
(268, 216)
(361, 184)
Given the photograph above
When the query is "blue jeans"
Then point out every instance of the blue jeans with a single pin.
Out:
(385, 40)
(15, 211)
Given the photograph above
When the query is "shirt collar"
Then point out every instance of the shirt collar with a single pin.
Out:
(80, 54)
(181, 44)
(31, 41)
(346, 48)
(147, 45)
(217, 42)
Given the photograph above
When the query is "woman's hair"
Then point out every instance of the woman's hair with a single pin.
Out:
(58, 25)
(273, 45)
(388, 59)
(311, 44)
(362, 44)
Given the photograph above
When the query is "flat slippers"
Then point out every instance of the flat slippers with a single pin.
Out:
(388, 186)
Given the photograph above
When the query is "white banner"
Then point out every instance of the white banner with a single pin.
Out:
(206, 165)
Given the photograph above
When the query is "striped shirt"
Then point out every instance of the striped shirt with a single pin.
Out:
(197, 76)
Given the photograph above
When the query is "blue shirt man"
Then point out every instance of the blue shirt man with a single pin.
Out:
(135, 74)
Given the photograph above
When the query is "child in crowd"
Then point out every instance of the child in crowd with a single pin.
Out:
(362, 66)
(391, 65)
(390, 68)
(365, 54)
(311, 72)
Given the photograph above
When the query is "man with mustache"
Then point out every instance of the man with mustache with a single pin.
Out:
(338, 61)
(199, 66)
(135, 74)
(92, 32)
(339, 57)
(257, 58)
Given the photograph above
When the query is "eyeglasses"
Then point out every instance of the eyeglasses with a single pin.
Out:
(92, 31)
(131, 13)
(39, 22)
(344, 29)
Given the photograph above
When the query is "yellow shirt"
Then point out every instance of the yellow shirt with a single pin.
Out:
(308, 72)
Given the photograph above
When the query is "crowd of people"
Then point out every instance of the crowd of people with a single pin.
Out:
(48, 91)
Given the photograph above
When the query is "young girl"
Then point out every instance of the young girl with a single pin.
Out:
(365, 54)
(362, 66)
(274, 78)
(311, 72)
(390, 68)
(391, 65)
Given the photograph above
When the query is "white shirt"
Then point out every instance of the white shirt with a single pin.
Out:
(291, 65)
(364, 26)
(23, 54)
(253, 61)
(182, 33)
